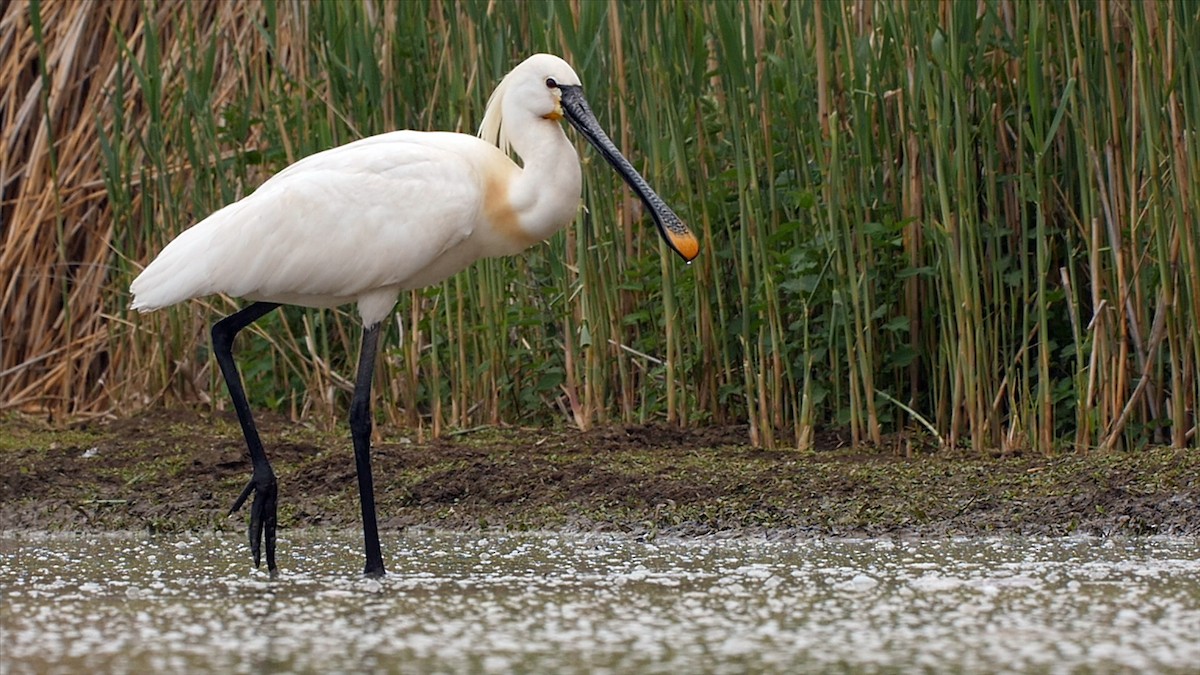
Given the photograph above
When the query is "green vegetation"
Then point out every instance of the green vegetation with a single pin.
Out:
(978, 219)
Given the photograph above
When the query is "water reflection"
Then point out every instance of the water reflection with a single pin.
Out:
(551, 603)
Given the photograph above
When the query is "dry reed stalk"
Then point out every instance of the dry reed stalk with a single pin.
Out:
(794, 127)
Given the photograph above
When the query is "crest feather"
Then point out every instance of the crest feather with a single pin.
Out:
(492, 127)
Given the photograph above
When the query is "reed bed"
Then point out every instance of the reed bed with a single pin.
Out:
(971, 222)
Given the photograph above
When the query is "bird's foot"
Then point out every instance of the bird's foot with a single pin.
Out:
(263, 512)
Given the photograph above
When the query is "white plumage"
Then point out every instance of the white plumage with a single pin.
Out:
(367, 220)
(400, 210)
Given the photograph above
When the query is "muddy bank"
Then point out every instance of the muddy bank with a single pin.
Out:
(170, 471)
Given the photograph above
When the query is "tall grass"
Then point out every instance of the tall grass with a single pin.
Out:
(974, 222)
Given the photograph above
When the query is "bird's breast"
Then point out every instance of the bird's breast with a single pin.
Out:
(533, 205)
(503, 218)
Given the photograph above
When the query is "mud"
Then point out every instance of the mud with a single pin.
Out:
(171, 471)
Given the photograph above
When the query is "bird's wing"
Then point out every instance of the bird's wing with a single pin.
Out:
(331, 226)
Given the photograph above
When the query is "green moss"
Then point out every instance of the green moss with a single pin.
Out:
(19, 432)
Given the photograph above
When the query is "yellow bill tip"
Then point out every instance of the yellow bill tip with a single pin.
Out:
(686, 245)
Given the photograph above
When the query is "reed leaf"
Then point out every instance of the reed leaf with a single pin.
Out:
(972, 221)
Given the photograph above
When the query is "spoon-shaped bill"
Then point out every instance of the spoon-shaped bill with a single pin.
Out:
(673, 231)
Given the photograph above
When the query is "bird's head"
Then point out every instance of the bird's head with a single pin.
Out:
(538, 84)
(543, 86)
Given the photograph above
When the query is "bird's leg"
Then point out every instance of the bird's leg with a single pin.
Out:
(360, 431)
(262, 481)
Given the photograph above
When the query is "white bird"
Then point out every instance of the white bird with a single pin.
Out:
(367, 220)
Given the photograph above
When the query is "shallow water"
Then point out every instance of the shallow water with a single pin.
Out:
(551, 603)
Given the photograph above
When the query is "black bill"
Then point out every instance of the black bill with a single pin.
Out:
(673, 231)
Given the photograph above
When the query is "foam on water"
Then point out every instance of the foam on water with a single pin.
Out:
(599, 604)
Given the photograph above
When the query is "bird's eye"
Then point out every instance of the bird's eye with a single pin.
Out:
(550, 83)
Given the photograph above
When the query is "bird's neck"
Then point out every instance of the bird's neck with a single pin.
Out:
(546, 192)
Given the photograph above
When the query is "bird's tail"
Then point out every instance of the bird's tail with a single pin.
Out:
(177, 274)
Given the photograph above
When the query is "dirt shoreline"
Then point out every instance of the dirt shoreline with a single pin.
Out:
(167, 471)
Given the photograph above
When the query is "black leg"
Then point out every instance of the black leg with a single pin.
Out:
(360, 431)
(262, 481)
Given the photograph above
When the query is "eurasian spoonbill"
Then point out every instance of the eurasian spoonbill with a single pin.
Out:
(364, 221)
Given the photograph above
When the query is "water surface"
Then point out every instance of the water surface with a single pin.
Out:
(501, 603)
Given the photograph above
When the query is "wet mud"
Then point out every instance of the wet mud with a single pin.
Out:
(173, 471)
